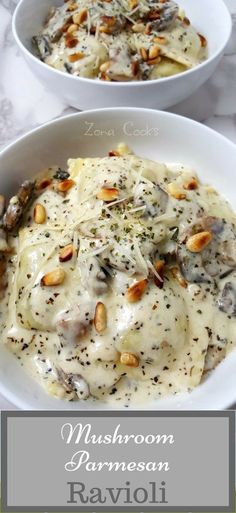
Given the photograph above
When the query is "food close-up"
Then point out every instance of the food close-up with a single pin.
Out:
(120, 40)
(121, 279)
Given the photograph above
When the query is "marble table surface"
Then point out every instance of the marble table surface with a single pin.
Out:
(25, 103)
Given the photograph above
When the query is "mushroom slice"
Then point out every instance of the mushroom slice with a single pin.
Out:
(213, 224)
(3, 236)
(3, 248)
(154, 198)
(228, 253)
(73, 325)
(191, 266)
(3, 241)
(93, 277)
(42, 47)
(227, 301)
(166, 14)
(3, 277)
(217, 259)
(17, 206)
(74, 383)
(220, 256)
(112, 24)
(119, 68)
(56, 36)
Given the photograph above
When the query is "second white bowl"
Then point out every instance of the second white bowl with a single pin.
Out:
(155, 135)
(209, 17)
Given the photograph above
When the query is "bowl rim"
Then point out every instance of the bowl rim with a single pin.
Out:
(12, 397)
(80, 114)
(99, 83)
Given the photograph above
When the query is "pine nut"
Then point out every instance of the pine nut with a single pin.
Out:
(53, 278)
(100, 318)
(108, 194)
(191, 184)
(76, 56)
(136, 291)
(39, 214)
(175, 191)
(66, 253)
(65, 185)
(198, 242)
(80, 17)
(129, 359)
(154, 52)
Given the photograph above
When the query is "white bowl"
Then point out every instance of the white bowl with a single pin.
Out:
(156, 135)
(210, 17)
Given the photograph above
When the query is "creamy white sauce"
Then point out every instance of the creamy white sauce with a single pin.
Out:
(176, 333)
